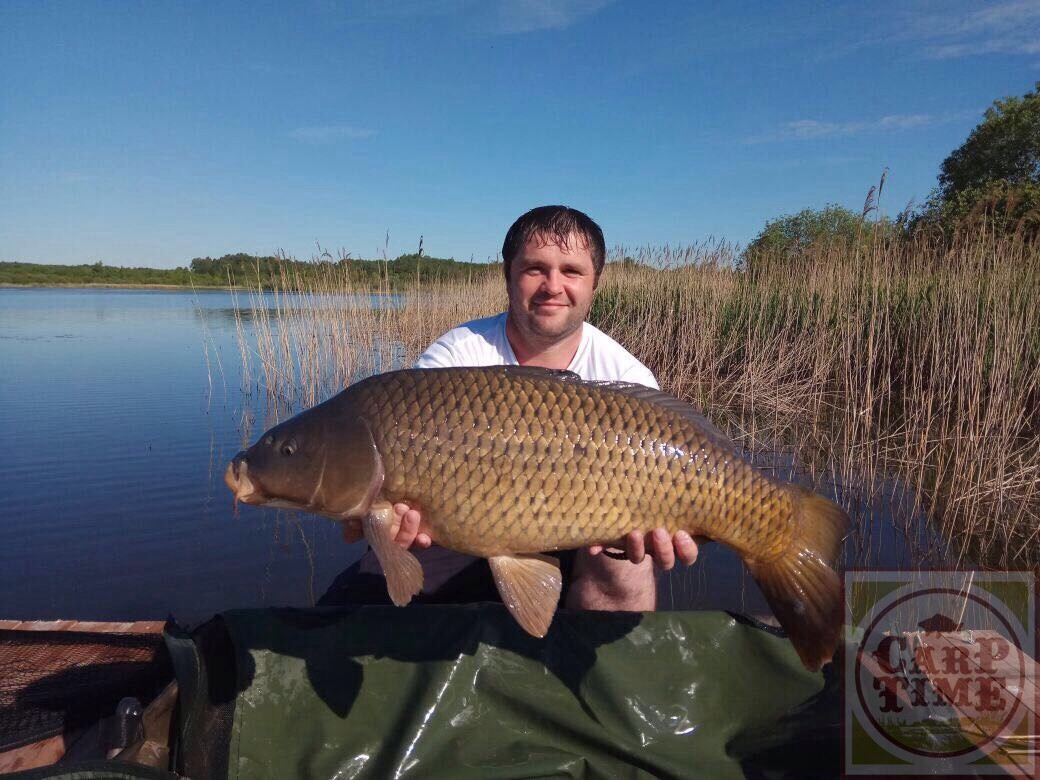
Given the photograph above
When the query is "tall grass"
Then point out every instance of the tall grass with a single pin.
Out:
(311, 337)
(887, 362)
(891, 358)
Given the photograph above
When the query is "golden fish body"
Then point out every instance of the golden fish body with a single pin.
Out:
(507, 462)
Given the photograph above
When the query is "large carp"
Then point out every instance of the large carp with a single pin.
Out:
(509, 462)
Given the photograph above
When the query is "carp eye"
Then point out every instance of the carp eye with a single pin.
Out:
(289, 448)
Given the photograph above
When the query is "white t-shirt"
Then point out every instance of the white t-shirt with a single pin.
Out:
(483, 342)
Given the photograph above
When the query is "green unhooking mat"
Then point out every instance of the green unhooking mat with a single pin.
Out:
(462, 691)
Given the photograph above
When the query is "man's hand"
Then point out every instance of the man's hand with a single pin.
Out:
(407, 522)
(603, 582)
(664, 550)
(407, 527)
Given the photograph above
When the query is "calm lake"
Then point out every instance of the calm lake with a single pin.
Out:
(119, 410)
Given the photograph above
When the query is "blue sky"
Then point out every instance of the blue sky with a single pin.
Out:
(152, 133)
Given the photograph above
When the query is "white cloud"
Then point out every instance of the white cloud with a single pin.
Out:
(1010, 27)
(327, 134)
(805, 129)
(955, 28)
(521, 16)
(496, 17)
(809, 128)
(73, 177)
(904, 121)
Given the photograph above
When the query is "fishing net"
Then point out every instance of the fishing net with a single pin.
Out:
(57, 682)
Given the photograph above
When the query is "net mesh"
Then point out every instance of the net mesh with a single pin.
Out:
(54, 682)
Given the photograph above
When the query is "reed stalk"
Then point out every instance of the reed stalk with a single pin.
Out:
(892, 361)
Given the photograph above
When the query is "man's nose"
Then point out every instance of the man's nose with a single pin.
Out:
(553, 284)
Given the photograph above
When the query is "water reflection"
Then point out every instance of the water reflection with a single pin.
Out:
(120, 409)
(272, 307)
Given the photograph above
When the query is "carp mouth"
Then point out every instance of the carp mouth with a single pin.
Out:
(236, 477)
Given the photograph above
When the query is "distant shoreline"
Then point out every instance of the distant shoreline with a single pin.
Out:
(160, 287)
(122, 286)
(268, 273)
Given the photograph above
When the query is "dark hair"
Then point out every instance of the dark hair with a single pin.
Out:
(554, 224)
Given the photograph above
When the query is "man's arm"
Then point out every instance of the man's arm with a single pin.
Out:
(602, 582)
(437, 355)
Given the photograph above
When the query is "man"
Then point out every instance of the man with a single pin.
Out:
(552, 258)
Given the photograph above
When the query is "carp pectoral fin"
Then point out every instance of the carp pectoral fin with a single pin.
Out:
(530, 587)
(404, 574)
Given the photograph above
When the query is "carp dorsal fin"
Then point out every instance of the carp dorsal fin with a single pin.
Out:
(530, 587)
(673, 404)
(404, 574)
(559, 374)
(533, 372)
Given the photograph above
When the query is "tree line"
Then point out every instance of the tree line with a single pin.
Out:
(93, 273)
(274, 271)
(251, 271)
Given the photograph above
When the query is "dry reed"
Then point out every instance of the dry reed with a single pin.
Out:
(891, 362)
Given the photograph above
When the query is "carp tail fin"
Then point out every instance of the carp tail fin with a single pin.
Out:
(801, 586)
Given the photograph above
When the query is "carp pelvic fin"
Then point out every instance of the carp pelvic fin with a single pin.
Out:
(801, 586)
(530, 588)
(404, 574)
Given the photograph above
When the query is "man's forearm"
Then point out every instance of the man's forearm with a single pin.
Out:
(601, 582)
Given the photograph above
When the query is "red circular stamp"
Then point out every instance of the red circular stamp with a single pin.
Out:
(940, 674)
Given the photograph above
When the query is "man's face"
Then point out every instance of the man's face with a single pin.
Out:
(550, 288)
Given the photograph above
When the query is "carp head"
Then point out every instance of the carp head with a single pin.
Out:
(319, 461)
